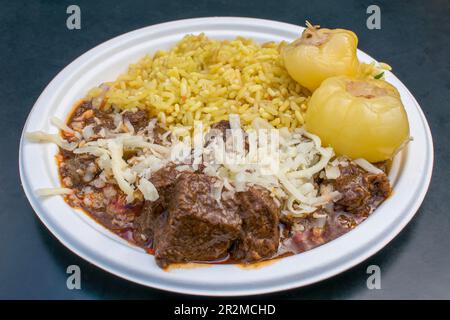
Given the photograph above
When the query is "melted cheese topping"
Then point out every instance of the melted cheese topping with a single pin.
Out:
(289, 174)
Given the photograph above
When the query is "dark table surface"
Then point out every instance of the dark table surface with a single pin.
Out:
(35, 45)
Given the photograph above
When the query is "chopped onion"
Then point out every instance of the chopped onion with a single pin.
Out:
(88, 132)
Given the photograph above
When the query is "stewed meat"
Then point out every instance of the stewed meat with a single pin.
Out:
(361, 191)
(187, 223)
(196, 226)
(138, 119)
(259, 236)
(77, 169)
(86, 115)
(164, 180)
(194, 218)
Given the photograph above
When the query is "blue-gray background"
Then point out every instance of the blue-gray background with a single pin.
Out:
(35, 45)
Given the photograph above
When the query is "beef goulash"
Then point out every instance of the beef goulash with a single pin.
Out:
(195, 218)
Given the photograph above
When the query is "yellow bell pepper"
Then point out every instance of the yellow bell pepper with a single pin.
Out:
(359, 118)
(319, 54)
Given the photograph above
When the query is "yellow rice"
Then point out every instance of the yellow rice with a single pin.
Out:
(206, 79)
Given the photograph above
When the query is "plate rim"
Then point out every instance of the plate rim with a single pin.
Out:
(321, 276)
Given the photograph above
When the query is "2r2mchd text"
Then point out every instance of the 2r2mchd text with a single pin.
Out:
(226, 309)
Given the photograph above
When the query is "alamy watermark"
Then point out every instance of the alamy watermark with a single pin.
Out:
(228, 147)
(74, 280)
(374, 280)
(73, 21)
(374, 20)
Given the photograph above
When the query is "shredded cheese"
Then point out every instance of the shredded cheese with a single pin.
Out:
(46, 192)
(299, 158)
(61, 125)
(148, 190)
(40, 136)
(118, 165)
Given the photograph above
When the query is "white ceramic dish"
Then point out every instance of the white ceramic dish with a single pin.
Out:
(410, 175)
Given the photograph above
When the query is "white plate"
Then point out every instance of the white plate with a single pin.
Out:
(410, 175)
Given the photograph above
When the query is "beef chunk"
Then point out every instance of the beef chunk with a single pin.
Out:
(77, 169)
(361, 191)
(86, 114)
(145, 223)
(83, 107)
(379, 186)
(259, 237)
(164, 180)
(353, 187)
(138, 119)
(106, 120)
(196, 227)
